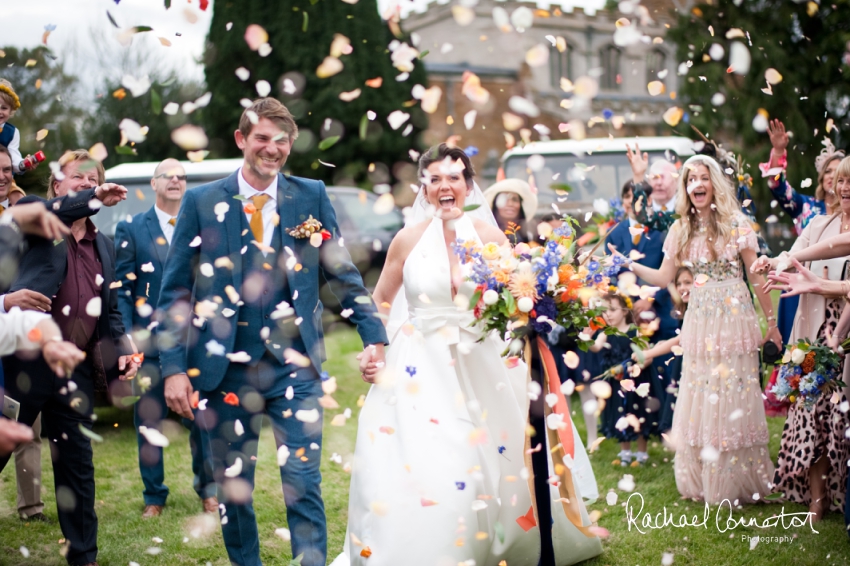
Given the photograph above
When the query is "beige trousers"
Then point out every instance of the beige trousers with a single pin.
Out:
(28, 473)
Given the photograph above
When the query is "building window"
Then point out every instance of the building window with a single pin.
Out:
(655, 63)
(560, 64)
(609, 58)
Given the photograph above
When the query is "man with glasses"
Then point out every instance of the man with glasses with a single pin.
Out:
(142, 246)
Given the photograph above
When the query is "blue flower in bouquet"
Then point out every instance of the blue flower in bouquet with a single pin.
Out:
(545, 307)
(607, 113)
(563, 231)
(615, 205)
(820, 379)
(593, 266)
(782, 390)
(808, 385)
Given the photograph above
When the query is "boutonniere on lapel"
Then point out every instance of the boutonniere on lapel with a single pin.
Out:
(310, 228)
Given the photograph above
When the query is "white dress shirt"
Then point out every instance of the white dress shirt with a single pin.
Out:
(14, 328)
(269, 210)
(164, 217)
(670, 204)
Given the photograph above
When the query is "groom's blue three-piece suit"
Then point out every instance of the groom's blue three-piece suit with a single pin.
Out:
(228, 300)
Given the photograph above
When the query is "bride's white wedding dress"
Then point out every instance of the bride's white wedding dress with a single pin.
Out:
(438, 475)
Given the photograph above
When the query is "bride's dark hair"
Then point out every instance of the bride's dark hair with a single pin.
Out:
(440, 152)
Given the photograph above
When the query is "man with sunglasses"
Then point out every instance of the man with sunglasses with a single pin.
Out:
(141, 248)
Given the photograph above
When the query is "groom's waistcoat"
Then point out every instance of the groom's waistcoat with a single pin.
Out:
(265, 288)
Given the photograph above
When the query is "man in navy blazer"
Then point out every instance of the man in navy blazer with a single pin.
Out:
(141, 246)
(243, 327)
(72, 279)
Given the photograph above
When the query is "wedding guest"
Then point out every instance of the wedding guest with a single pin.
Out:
(141, 248)
(717, 457)
(801, 208)
(72, 280)
(513, 204)
(684, 282)
(628, 237)
(10, 137)
(615, 351)
(16, 193)
(255, 345)
(812, 465)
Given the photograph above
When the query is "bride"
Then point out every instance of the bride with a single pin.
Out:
(439, 473)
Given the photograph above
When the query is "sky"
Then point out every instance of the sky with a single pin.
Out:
(75, 19)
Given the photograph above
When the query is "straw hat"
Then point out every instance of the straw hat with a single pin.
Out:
(516, 186)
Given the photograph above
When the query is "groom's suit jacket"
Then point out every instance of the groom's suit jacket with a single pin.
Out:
(137, 244)
(209, 234)
(651, 245)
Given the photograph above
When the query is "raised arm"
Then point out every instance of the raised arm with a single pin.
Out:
(660, 277)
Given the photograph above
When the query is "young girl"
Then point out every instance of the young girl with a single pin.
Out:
(683, 281)
(613, 351)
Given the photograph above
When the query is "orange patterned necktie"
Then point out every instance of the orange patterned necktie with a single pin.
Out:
(172, 221)
(256, 222)
(636, 237)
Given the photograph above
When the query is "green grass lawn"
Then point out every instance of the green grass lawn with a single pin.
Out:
(125, 537)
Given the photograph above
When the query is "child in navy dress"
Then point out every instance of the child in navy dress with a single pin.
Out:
(624, 415)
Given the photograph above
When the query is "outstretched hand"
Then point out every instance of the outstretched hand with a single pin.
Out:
(764, 264)
(793, 284)
(34, 218)
(110, 194)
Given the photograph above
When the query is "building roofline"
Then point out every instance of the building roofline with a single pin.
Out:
(460, 68)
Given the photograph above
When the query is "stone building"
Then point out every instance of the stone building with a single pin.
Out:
(579, 43)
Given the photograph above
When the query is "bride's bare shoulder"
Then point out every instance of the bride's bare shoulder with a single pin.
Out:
(408, 236)
(489, 233)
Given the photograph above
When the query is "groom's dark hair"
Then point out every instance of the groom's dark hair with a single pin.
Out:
(439, 153)
(272, 109)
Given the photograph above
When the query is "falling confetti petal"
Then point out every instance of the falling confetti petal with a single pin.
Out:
(255, 36)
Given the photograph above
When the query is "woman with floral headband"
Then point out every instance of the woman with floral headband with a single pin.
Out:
(9, 134)
(801, 208)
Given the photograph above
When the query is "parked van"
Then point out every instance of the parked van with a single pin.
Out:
(573, 173)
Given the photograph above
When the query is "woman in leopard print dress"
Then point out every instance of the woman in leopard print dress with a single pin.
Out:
(812, 465)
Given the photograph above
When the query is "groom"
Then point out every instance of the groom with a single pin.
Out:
(244, 327)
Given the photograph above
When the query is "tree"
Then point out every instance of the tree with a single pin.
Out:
(114, 102)
(300, 34)
(805, 43)
(49, 101)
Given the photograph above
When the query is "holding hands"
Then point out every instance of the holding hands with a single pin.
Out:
(372, 362)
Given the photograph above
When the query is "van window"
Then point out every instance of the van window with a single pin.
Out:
(589, 177)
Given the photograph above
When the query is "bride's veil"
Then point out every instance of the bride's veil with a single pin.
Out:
(420, 211)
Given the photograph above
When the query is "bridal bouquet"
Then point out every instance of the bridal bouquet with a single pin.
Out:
(807, 371)
(523, 289)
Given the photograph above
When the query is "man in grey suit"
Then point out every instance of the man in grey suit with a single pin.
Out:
(244, 327)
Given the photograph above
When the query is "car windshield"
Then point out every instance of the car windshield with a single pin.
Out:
(585, 178)
(359, 207)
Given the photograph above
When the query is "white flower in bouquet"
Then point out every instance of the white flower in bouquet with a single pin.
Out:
(525, 304)
(797, 356)
(490, 297)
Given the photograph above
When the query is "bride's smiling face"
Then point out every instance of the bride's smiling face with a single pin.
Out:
(445, 185)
